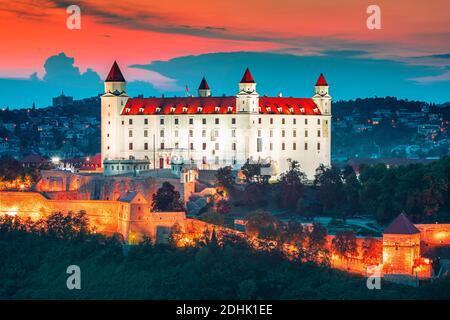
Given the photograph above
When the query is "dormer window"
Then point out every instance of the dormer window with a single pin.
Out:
(230, 109)
(268, 109)
(302, 110)
(291, 110)
(217, 109)
(185, 109)
(127, 110)
(280, 109)
(141, 109)
(158, 110)
(316, 110)
(172, 109)
(199, 109)
(259, 109)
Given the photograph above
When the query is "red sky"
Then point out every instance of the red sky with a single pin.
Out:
(143, 31)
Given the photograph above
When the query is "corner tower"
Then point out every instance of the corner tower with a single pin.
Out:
(112, 103)
(401, 246)
(321, 96)
(247, 99)
(203, 89)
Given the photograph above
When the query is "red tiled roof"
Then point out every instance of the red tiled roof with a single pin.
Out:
(247, 78)
(321, 81)
(401, 225)
(216, 105)
(203, 85)
(115, 75)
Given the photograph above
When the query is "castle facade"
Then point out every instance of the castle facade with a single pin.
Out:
(210, 132)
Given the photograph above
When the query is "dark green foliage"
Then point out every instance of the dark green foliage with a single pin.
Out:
(167, 199)
(34, 266)
(225, 177)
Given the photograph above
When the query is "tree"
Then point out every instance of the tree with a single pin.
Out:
(344, 244)
(291, 186)
(225, 177)
(167, 199)
(252, 172)
(330, 187)
(372, 251)
(262, 224)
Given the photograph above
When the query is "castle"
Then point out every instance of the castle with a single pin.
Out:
(210, 132)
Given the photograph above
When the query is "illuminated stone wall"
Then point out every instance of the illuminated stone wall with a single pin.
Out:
(400, 252)
(434, 234)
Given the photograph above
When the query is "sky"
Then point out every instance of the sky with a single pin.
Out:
(162, 46)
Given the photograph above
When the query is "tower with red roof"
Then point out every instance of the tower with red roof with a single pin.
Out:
(321, 96)
(203, 89)
(112, 103)
(247, 99)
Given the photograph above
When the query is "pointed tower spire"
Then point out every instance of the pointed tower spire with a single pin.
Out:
(247, 78)
(321, 81)
(401, 225)
(115, 75)
(203, 89)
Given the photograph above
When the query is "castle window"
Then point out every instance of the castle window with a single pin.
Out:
(294, 133)
(204, 121)
(283, 133)
(130, 133)
(204, 146)
(271, 146)
(216, 161)
(291, 110)
(145, 133)
(283, 121)
(259, 133)
(271, 120)
(233, 133)
(318, 133)
(294, 121)
(268, 109)
(259, 120)
(191, 121)
(294, 146)
(177, 145)
(191, 133)
(306, 133)
(127, 110)
(161, 121)
(233, 146)
(306, 121)
(185, 109)
(162, 146)
(130, 121)
(259, 145)
(161, 133)
(259, 109)
(130, 146)
(216, 147)
(217, 120)
(233, 120)
(141, 110)
(145, 121)
(176, 133)
(199, 109)
(204, 133)
(306, 145)
(271, 133)
(318, 145)
(230, 109)
(216, 133)
(172, 109)
(283, 146)
(107, 147)
(302, 110)
(316, 110)
(107, 135)
(109, 122)
(318, 121)
(279, 109)
(145, 146)
(176, 120)
(191, 146)
(158, 110)
(217, 109)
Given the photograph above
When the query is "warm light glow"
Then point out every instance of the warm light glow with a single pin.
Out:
(55, 160)
(12, 211)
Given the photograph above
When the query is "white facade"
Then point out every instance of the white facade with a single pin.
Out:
(249, 129)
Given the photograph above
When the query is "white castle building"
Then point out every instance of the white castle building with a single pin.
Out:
(213, 131)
